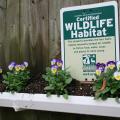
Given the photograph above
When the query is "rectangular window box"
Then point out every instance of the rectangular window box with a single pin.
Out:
(75, 104)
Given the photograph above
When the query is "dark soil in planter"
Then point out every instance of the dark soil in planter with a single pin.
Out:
(2, 87)
(37, 85)
(75, 88)
(81, 89)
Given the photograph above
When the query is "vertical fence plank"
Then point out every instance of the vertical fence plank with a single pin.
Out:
(2, 31)
(9, 114)
(71, 3)
(34, 33)
(44, 35)
(108, 0)
(54, 27)
(88, 1)
(62, 116)
(24, 30)
(29, 32)
(3, 4)
(41, 115)
(11, 46)
(28, 115)
(54, 23)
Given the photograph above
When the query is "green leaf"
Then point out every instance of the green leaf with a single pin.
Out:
(117, 99)
(9, 73)
(113, 90)
(4, 76)
(6, 82)
(48, 94)
(97, 95)
(44, 76)
(56, 83)
(104, 96)
(68, 81)
(65, 96)
(48, 88)
(106, 90)
(58, 95)
(16, 81)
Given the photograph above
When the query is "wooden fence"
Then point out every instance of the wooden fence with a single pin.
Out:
(30, 30)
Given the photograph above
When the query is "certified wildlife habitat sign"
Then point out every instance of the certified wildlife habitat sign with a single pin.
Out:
(89, 34)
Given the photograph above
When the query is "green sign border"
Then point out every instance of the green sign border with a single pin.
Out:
(103, 4)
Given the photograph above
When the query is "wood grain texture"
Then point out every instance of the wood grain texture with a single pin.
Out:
(44, 34)
(107, 0)
(3, 4)
(9, 114)
(26, 33)
(33, 34)
(2, 31)
(32, 30)
(54, 27)
(89, 1)
(24, 30)
(12, 40)
(54, 23)
(68, 3)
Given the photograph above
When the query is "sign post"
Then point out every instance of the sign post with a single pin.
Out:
(89, 34)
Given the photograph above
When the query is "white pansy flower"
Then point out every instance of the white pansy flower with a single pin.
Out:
(118, 65)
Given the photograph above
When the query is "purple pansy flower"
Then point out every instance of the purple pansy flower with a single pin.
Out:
(53, 61)
(97, 65)
(59, 62)
(100, 66)
(11, 65)
(54, 69)
(111, 64)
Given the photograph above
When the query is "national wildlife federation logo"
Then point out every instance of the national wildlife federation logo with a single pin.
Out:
(89, 62)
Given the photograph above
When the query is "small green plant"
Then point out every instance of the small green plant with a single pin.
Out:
(17, 77)
(108, 80)
(57, 79)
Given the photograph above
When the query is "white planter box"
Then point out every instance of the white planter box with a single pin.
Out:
(75, 104)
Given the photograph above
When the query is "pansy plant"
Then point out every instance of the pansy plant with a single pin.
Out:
(108, 80)
(17, 76)
(57, 79)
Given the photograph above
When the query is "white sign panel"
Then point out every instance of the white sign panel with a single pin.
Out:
(89, 34)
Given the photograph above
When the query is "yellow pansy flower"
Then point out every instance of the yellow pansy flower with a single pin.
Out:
(117, 75)
(98, 72)
(22, 67)
(54, 69)
(17, 68)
